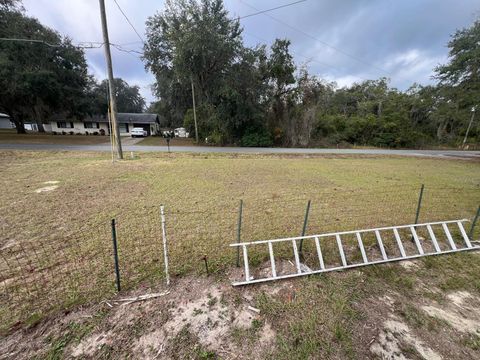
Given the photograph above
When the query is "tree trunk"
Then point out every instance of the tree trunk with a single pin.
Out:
(18, 121)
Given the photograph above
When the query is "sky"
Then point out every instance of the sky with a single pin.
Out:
(345, 41)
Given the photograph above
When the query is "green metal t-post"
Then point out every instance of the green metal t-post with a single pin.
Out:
(115, 255)
(420, 197)
(239, 231)
(305, 222)
(474, 222)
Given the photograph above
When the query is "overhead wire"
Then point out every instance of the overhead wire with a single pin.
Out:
(128, 20)
(318, 40)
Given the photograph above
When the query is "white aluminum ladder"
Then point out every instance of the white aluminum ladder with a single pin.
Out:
(301, 270)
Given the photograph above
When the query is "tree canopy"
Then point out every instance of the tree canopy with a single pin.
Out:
(38, 78)
(259, 96)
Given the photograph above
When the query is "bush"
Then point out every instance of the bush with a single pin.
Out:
(78, 133)
(64, 133)
(215, 138)
(87, 133)
(95, 133)
(54, 133)
(257, 139)
(102, 132)
(71, 133)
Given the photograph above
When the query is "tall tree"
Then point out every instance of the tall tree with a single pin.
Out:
(129, 99)
(38, 78)
(188, 42)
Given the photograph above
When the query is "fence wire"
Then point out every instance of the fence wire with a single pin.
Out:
(53, 264)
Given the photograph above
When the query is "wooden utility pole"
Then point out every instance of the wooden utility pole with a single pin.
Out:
(111, 85)
(469, 126)
(194, 111)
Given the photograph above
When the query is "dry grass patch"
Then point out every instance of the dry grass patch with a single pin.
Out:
(57, 246)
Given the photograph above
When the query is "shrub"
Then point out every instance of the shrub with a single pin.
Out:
(102, 132)
(95, 133)
(64, 133)
(54, 133)
(260, 139)
(78, 133)
(87, 133)
(71, 133)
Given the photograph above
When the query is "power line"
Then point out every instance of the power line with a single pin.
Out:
(318, 40)
(83, 45)
(267, 10)
(128, 20)
(305, 56)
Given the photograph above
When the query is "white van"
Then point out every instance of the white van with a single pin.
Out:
(138, 131)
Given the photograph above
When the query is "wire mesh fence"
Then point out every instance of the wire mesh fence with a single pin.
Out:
(58, 265)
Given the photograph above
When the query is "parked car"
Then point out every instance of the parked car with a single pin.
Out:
(138, 132)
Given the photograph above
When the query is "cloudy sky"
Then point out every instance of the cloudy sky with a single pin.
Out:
(344, 41)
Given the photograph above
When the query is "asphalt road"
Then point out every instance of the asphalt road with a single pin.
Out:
(243, 150)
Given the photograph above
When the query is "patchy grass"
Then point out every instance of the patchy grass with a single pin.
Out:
(160, 141)
(58, 242)
(11, 137)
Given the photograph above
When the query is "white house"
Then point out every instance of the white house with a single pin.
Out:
(5, 122)
(98, 124)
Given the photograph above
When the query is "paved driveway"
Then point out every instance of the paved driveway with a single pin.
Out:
(243, 150)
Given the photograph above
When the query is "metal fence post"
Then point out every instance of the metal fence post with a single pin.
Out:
(305, 222)
(239, 231)
(165, 249)
(474, 222)
(420, 197)
(115, 254)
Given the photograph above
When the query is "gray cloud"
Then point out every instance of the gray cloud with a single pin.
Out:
(405, 38)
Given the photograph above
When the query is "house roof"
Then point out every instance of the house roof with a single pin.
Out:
(126, 118)
(2, 115)
(133, 118)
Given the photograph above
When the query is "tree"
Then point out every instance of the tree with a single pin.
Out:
(191, 42)
(38, 78)
(459, 80)
(129, 99)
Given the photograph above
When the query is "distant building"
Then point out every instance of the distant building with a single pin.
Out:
(98, 124)
(5, 122)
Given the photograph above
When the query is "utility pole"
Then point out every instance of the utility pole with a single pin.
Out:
(469, 126)
(194, 111)
(111, 85)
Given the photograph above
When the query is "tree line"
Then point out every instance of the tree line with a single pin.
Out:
(259, 97)
(249, 96)
(49, 75)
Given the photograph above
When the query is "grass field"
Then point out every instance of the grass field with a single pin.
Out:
(63, 232)
(11, 137)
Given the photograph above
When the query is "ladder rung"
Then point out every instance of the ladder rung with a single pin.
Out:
(297, 258)
(362, 249)
(399, 242)
(245, 262)
(380, 244)
(340, 249)
(449, 237)
(464, 234)
(417, 241)
(272, 259)
(434, 238)
(319, 252)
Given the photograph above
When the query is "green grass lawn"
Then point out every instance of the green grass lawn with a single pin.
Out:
(11, 137)
(58, 243)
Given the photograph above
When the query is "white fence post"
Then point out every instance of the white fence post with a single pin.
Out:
(165, 250)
